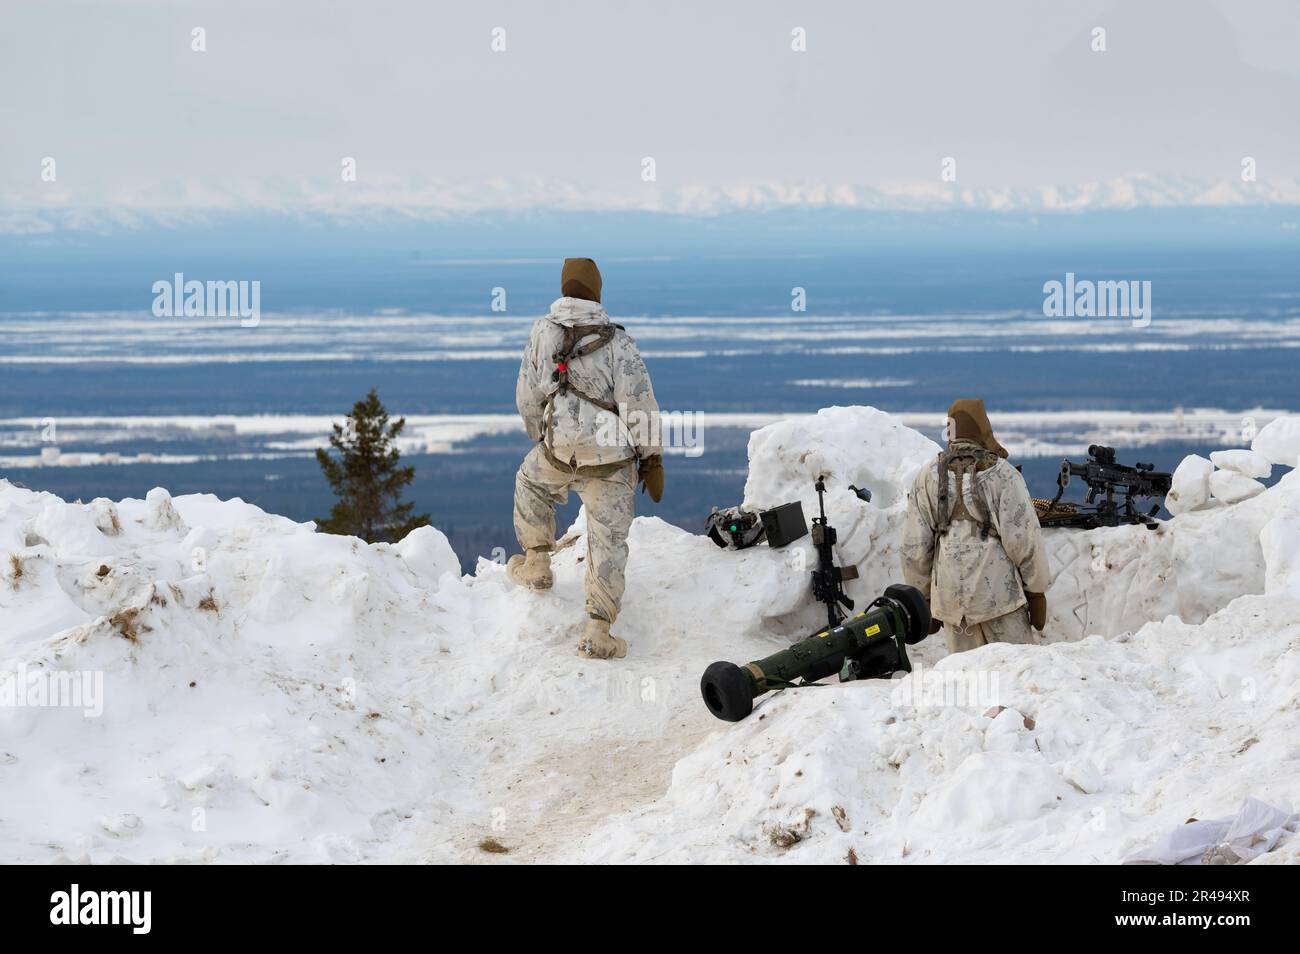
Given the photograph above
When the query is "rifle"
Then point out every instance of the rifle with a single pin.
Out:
(1104, 478)
(828, 579)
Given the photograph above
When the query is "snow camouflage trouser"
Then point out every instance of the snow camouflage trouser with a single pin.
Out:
(1012, 628)
(540, 486)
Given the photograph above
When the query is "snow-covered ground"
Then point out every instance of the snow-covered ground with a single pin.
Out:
(253, 691)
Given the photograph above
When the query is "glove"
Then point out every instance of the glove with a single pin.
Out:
(650, 471)
(1037, 610)
(935, 625)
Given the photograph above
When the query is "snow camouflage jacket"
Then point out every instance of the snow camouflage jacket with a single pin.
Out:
(964, 574)
(576, 430)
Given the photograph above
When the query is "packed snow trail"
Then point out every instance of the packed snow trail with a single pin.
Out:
(270, 693)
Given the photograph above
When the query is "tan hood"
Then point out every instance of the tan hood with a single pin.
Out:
(971, 423)
(580, 278)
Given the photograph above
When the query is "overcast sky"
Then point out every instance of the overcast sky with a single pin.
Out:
(136, 120)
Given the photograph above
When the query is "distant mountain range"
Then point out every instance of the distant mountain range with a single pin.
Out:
(405, 203)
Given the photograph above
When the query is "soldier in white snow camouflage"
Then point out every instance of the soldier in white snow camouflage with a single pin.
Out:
(585, 397)
(971, 539)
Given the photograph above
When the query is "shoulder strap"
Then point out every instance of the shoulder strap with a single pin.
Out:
(944, 516)
(569, 350)
(985, 520)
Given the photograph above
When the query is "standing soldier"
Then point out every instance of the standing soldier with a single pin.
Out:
(585, 397)
(971, 540)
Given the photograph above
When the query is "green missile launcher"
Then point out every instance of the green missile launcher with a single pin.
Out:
(870, 645)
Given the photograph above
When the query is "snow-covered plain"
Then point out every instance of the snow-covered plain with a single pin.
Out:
(273, 694)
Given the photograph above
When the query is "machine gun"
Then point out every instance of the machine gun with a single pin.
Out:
(1104, 478)
(871, 645)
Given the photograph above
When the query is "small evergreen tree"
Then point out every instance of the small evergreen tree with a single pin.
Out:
(365, 477)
